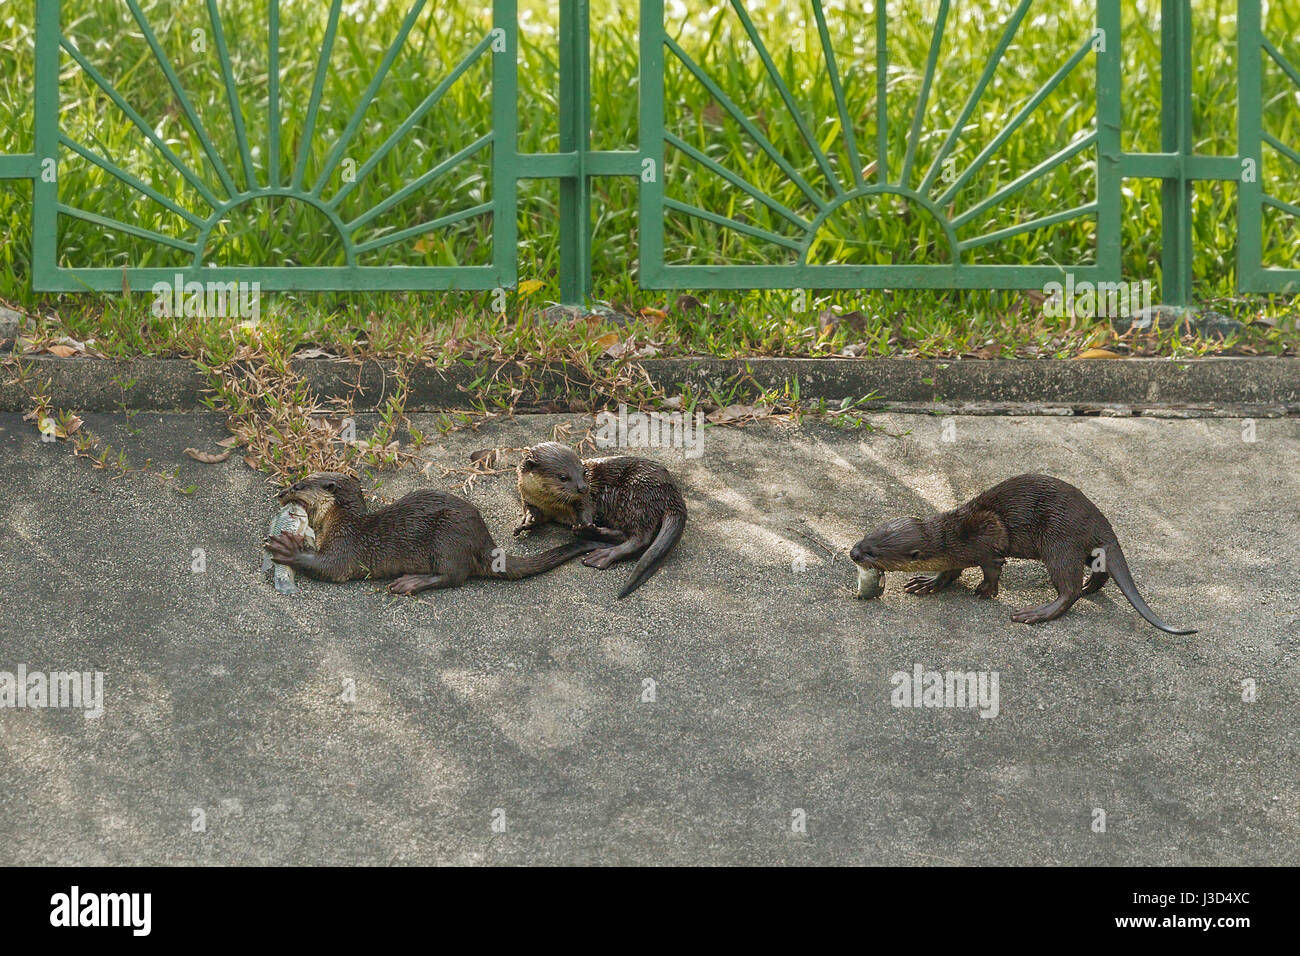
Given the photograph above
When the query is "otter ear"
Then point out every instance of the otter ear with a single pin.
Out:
(528, 464)
(330, 487)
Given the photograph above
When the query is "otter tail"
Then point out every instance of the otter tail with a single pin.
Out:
(1118, 569)
(526, 565)
(669, 533)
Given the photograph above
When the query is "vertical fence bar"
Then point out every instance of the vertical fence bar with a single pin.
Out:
(882, 87)
(273, 96)
(1250, 124)
(1176, 137)
(505, 140)
(575, 137)
(45, 188)
(650, 220)
(1109, 143)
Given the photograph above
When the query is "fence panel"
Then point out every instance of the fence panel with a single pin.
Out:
(830, 149)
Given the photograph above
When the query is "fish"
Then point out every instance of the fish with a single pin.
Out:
(292, 517)
(871, 583)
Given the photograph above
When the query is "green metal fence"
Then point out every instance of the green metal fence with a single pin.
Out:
(883, 169)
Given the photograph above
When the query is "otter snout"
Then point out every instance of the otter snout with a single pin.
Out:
(862, 553)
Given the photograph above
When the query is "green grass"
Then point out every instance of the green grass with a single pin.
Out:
(456, 324)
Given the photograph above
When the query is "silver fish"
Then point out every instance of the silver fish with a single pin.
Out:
(289, 518)
(871, 583)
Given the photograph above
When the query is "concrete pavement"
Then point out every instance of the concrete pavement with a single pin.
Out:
(522, 703)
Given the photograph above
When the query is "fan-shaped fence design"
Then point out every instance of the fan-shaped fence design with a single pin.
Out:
(809, 191)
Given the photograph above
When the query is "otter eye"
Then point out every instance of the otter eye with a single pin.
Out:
(564, 477)
(916, 555)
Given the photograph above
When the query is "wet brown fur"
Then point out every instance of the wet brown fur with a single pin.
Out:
(630, 503)
(1029, 516)
(426, 540)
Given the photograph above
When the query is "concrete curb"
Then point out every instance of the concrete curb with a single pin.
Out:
(96, 385)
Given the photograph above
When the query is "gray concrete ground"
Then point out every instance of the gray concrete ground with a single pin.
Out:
(773, 684)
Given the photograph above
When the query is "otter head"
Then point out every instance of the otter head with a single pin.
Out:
(551, 474)
(321, 493)
(898, 545)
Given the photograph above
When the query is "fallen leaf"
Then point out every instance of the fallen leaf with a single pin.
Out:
(331, 426)
(207, 457)
(62, 351)
(735, 413)
(607, 340)
(1098, 354)
(529, 286)
(688, 303)
(65, 428)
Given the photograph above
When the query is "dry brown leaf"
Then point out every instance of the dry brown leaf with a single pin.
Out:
(734, 413)
(607, 340)
(1098, 354)
(67, 428)
(207, 457)
(62, 351)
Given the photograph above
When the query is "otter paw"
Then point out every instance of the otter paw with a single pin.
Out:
(923, 584)
(409, 584)
(1031, 615)
(600, 560)
(285, 546)
(987, 589)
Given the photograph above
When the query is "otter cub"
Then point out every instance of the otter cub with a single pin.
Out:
(1029, 516)
(426, 540)
(630, 503)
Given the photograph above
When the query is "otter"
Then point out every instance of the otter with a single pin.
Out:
(1030, 516)
(426, 540)
(628, 502)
